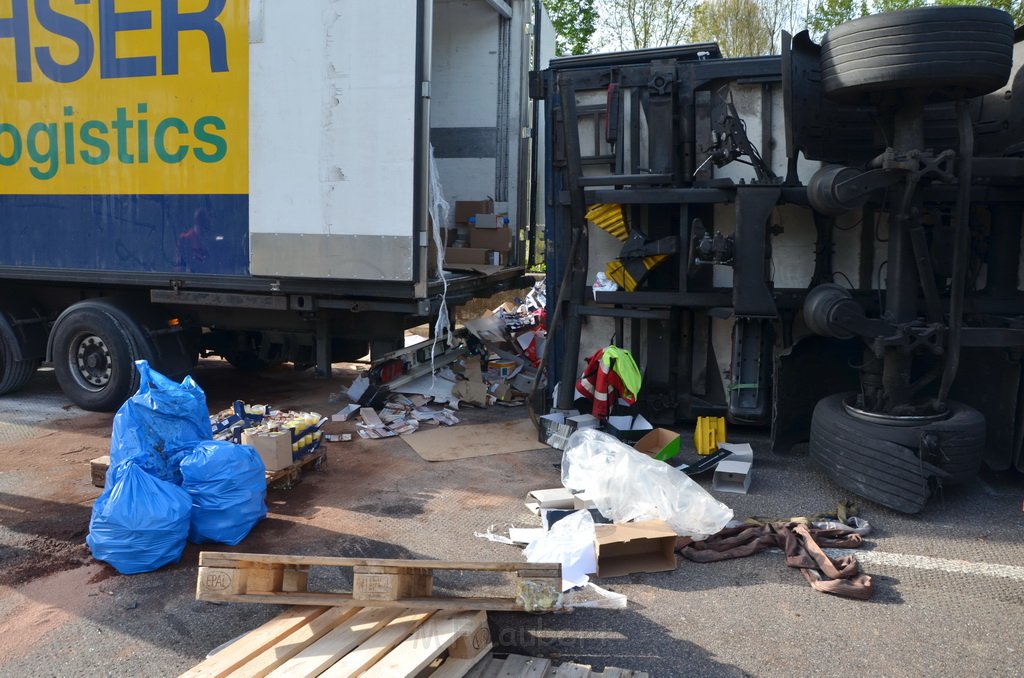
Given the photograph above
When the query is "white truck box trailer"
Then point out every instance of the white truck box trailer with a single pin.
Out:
(246, 177)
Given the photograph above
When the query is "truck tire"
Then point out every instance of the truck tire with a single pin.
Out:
(884, 463)
(94, 352)
(14, 374)
(948, 52)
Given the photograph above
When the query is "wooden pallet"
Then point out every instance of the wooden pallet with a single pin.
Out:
(261, 578)
(290, 475)
(282, 479)
(350, 641)
(518, 666)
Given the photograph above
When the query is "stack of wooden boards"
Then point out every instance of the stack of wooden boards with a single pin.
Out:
(355, 641)
(390, 642)
(390, 624)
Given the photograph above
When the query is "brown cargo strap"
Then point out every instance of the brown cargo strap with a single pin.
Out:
(803, 549)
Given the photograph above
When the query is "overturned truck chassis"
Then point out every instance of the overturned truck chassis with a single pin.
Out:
(843, 231)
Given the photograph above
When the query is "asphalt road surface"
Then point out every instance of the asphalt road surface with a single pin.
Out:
(949, 582)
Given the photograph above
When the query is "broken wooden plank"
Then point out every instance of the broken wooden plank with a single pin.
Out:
(339, 641)
(571, 671)
(290, 645)
(423, 647)
(370, 651)
(254, 642)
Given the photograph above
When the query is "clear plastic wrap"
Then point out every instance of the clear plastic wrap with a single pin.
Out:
(628, 485)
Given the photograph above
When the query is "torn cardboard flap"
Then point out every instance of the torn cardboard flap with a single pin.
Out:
(345, 413)
(558, 497)
(740, 451)
(583, 500)
(628, 429)
(661, 444)
(643, 546)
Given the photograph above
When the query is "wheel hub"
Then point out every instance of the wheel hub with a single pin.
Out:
(891, 419)
(93, 362)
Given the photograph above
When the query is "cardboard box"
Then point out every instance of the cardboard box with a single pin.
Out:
(581, 422)
(628, 429)
(464, 209)
(275, 449)
(98, 470)
(555, 429)
(486, 221)
(643, 546)
(732, 476)
(583, 500)
(556, 498)
(497, 239)
(660, 443)
(466, 255)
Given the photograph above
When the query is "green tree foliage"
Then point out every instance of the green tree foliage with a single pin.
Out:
(1014, 8)
(740, 27)
(575, 22)
(830, 13)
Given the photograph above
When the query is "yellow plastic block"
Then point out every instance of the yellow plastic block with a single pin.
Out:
(609, 218)
(708, 433)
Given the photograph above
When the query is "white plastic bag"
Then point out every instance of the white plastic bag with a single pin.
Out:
(628, 485)
(570, 542)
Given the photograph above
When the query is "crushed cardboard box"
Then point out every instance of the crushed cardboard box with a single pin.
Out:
(642, 546)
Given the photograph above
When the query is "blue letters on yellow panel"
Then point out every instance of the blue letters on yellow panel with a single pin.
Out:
(198, 234)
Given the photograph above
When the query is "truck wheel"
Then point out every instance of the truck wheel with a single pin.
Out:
(946, 51)
(94, 353)
(896, 466)
(14, 374)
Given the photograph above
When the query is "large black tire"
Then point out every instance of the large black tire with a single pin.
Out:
(94, 354)
(14, 374)
(944, 52)
(896, 466)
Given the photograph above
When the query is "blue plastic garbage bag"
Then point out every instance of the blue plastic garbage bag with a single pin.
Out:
(158, 425)
(139, 523)
(228, 486)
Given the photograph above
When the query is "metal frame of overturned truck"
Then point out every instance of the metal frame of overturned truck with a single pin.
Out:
(827, 241)
(250, 179)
